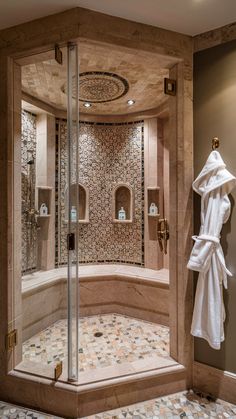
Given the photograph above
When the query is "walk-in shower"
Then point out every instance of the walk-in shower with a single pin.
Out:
(79, 175)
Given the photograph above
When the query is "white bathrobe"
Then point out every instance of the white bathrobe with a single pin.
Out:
(214, 183)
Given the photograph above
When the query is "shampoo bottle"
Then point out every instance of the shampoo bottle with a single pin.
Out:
(73, 213)
(153, 210)
(122, 214)
(43, 210)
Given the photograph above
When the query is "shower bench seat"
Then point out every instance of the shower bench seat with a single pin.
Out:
(130, 290)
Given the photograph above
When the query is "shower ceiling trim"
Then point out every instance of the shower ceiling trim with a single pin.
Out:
(100, 87)
(144, 73)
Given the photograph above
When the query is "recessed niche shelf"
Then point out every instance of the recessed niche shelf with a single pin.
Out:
(43, 196)
(115, 220)
(80, 221)
(83, 200)
(153, 197)
(122, 198)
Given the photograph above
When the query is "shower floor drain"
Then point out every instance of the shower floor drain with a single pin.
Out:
(98, 334)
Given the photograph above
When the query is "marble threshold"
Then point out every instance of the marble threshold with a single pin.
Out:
(108, 376)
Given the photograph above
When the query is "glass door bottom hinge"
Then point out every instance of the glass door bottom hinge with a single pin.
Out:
(11, 339)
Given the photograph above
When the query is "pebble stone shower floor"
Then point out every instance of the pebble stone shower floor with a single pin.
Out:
(180, 405)
(124, 339)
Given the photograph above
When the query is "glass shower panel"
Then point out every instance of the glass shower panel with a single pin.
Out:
(72, 208)
(45, 312)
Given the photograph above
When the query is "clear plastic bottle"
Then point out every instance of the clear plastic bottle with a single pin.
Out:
(43, 210)
(153, 210)
(122, 214)
(73, 213)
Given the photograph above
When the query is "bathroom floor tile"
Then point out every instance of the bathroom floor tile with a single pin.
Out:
(9, 411)
(124, 339)
(185, 404)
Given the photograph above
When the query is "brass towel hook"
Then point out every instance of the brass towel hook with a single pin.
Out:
(215, 143)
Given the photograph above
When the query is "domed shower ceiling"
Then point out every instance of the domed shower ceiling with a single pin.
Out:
(100, 87)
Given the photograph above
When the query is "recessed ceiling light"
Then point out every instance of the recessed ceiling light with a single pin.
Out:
(131, 102)
(87, 105)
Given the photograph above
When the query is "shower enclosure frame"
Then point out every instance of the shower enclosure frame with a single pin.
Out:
(72, 235)
(83, 25)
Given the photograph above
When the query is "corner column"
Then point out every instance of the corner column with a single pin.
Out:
(45, 189)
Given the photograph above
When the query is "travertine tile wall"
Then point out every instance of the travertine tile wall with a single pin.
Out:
(108, 153)
(29, 233)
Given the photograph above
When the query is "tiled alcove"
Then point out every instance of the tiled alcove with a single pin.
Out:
(79, 195)
(122, 198)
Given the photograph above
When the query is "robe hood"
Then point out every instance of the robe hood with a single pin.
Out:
(214, 170)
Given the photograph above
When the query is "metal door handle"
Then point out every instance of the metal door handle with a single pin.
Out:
(163, 234)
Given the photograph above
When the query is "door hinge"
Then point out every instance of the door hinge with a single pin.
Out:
(11, 340)
(58, 370)
(58, 54)
(71, 241)
(170, 87)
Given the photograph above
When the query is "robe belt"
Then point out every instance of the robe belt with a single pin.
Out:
(207, 237)
(219, 253)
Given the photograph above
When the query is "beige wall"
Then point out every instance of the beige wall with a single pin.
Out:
(156, 173)
(215, 115)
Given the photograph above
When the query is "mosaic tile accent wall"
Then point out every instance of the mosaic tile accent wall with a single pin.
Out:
(29, 235)
(108, 154)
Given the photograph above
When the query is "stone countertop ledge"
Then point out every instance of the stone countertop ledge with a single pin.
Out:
(90, 272)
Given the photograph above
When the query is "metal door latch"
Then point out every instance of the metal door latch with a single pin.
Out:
(163, 234)
(11, 340)
(58, 370)
(71, 241)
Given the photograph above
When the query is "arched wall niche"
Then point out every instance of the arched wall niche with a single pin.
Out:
(83, 200)
(123, 198)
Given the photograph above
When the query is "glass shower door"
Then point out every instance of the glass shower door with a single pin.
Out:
(73, 209)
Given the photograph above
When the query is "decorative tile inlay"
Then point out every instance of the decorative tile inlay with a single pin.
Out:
(108, 154)
(124, 339)
(100, 87)
(186, 404)
(29, 232)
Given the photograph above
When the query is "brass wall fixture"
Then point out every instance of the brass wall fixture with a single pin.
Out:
(163, 234)
(58, 54)
(215, 143)
(58, 370)
(11, 340)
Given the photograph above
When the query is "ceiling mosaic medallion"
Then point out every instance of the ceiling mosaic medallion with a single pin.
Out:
(100, 87)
